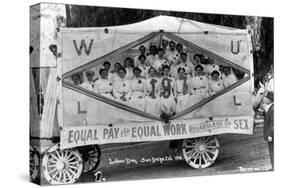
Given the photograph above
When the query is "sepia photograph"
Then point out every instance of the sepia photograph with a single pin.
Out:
(130, 94)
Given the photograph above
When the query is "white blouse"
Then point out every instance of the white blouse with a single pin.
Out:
(229, 80)
(103, 86)
(88, 85)
(215, 86)
(122, 87)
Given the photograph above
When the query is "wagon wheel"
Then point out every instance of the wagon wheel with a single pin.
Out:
(62, 166)
(200, 152)
(91, 157)
(33, 163)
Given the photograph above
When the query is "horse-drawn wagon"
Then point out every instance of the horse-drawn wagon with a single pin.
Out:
(83, 119)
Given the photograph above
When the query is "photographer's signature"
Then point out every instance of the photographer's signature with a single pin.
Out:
(249, 169)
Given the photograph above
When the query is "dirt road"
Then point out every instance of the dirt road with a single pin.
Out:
(238, 153)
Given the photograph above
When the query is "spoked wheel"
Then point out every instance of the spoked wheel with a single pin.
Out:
(91, 157)
(62, 166)
(33, 163)
(200, 152)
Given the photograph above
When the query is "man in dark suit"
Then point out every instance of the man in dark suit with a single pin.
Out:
(269, 124)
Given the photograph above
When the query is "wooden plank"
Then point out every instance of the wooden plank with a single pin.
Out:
(43, 75)
(59, 89)
(50, 118)
(50, 99)
(34, 118)
(56, 128)
(58, 99)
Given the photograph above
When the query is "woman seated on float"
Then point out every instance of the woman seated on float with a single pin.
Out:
(167, 96)
(211, 67)
(215, 83)
(228, 77)
(198, 60)
(138, 91)
(152, 57)
(113, 75)
(143, 66)
(199, 85)
(122, 87)
(77, 79)
(171, 53)
(160, 60)
(182, 91)
(89, 82)
(152, 87)
(185, 64)
(142, 50)
(129, 66)
(103, 85)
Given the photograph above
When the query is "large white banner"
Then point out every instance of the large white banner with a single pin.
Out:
(90, 118)
(153, 131)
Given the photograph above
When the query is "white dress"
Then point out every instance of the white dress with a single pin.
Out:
(129, 73)
(136, 60)
(172, 56)
(122, 87)
(152, 99)
(199, 88)
(215, 86)
(167, 98)
(144, 71)
(212, 67)
(229, 80)
(187, 66)
(88, 85)
(137, 99)
(151, 59)
(113, 76)
(183, 98)
(174, 70)
(104, 87)
(194, 67)
(158, 63)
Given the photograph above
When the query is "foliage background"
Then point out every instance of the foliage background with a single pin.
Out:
(261, 28)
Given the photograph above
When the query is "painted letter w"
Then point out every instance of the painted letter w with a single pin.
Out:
(83, 45)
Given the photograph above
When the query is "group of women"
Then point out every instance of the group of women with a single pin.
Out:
(162, 81)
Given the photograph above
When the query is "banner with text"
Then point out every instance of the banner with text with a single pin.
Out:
(153, 131)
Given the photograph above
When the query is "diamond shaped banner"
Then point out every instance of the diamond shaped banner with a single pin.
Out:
(161, 92)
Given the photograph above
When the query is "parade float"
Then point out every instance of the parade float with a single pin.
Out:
(69, 123)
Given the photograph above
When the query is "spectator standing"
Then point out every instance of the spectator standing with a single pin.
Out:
(268, 129)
